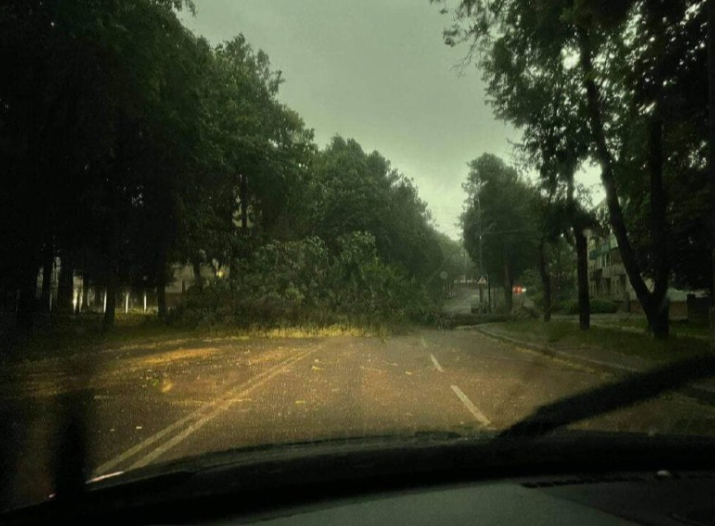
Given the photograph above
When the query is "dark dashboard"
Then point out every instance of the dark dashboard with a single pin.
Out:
(655, 498)
(569, 479)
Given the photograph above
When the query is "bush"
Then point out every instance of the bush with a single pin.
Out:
(602, 306)
(565, 307)
(598, 306)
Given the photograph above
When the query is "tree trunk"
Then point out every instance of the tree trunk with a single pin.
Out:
(658, 307)
(161, 298)
(48, 264)
(711, 160)
(657, 312)
(653, 309)
(584, 302)
(65, 285)
(112, 248)
(161, 279)
(111, 266)
(85, 290)
(80, 295)
(198, 278)
(25, 314)
(546, 281)
(507, 288)
(243, 195)
(111, 299)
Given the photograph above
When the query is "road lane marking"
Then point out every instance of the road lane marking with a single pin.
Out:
(471, 407)
(197, 414)
(436, 363)
(221, 407)
(236, 391)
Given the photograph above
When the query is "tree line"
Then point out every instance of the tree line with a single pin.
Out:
(514, 227)
(128, 144)
(622, 85)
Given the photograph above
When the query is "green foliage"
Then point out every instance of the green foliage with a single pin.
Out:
(603, 306)
(562, 283)
(624, 83)
(355, 190)
(127, 145)
(115, 141)
(499, 207)
(301, 283)
(598, 306)
(562, 268)
(456, 262)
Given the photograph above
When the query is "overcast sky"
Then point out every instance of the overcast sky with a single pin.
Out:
(376, 71)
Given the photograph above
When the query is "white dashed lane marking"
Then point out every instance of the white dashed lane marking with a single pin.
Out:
(198, 418)
(471, 407)
(436, 363)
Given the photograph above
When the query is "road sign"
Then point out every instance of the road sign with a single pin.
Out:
(482, 281)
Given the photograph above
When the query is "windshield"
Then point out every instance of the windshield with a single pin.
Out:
(232, 224)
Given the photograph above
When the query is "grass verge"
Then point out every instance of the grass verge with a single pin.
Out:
(679, 329)
(567, 335)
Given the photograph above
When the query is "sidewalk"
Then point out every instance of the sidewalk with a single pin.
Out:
(612, 362)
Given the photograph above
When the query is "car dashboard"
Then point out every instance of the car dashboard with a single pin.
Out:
(654, 498)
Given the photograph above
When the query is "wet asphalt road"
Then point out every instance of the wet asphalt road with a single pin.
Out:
(157, 403)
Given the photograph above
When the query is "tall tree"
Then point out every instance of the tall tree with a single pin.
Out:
(533, 89)
(630, 61)
(357, 191)
(500, 211)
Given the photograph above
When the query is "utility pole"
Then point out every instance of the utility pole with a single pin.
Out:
(711, 159)
(481, 256)
(464, 263)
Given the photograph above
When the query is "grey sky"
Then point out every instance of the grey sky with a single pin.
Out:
(377, 71)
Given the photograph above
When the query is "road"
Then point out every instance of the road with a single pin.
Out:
(464, 298)
(155, 403)
(461, 302)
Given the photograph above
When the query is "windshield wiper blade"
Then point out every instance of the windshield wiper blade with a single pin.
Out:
(635, 388)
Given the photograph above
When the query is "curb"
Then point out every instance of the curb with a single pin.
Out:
(698, 391)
